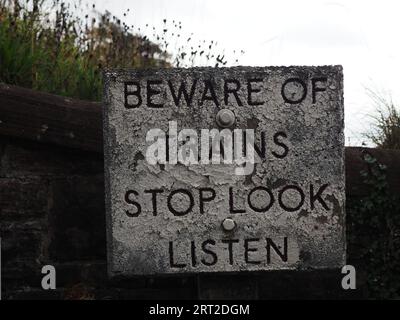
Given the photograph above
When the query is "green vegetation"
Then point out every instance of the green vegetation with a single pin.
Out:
(385, 132)
(65, 54)
(47, 46)
(373, 233)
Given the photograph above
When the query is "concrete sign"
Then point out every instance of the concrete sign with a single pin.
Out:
(224, 169)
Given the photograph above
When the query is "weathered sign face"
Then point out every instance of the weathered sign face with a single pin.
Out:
(224, 169)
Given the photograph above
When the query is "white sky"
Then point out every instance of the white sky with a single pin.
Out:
(361, 35)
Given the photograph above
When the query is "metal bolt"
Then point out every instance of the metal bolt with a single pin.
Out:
(225, 118)
(228, 224)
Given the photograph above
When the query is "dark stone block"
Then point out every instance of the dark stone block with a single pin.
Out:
(317, 284)
(74, 273)
(77, 220)
(23, 198)
(26, 158)
(21, 241)
(21, 273)
(22, 252)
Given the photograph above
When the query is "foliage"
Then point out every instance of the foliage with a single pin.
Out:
(185, 49)
(386, 130)
(54, 49)
(60, 55)
(374, 233)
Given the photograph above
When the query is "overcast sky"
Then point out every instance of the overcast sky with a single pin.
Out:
(361, 35)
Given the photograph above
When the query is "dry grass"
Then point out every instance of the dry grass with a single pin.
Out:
(55, 49)
(385, 132)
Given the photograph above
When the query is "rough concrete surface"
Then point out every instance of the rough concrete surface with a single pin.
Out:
(289, 212)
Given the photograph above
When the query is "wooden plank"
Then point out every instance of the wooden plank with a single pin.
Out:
(43, 117)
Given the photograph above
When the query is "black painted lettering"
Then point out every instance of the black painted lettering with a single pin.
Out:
(172, 263)
(228, 89)
(317, 196)
(153, 193)
(260, 150)
(271, 244)
(183, 212)
(211, 253)
(315, 88)
(247, 249)
(231, 204)
(213, 147)
(193, 253)
(129, 92)
(167, 137)
(251, 90)
(290, 98)
(182, 91)
(230, 243)
(132, 202)
(209, 93)
(203, 198)
(271, 199)
(286, 207)
(152, 91)
(281, 144)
